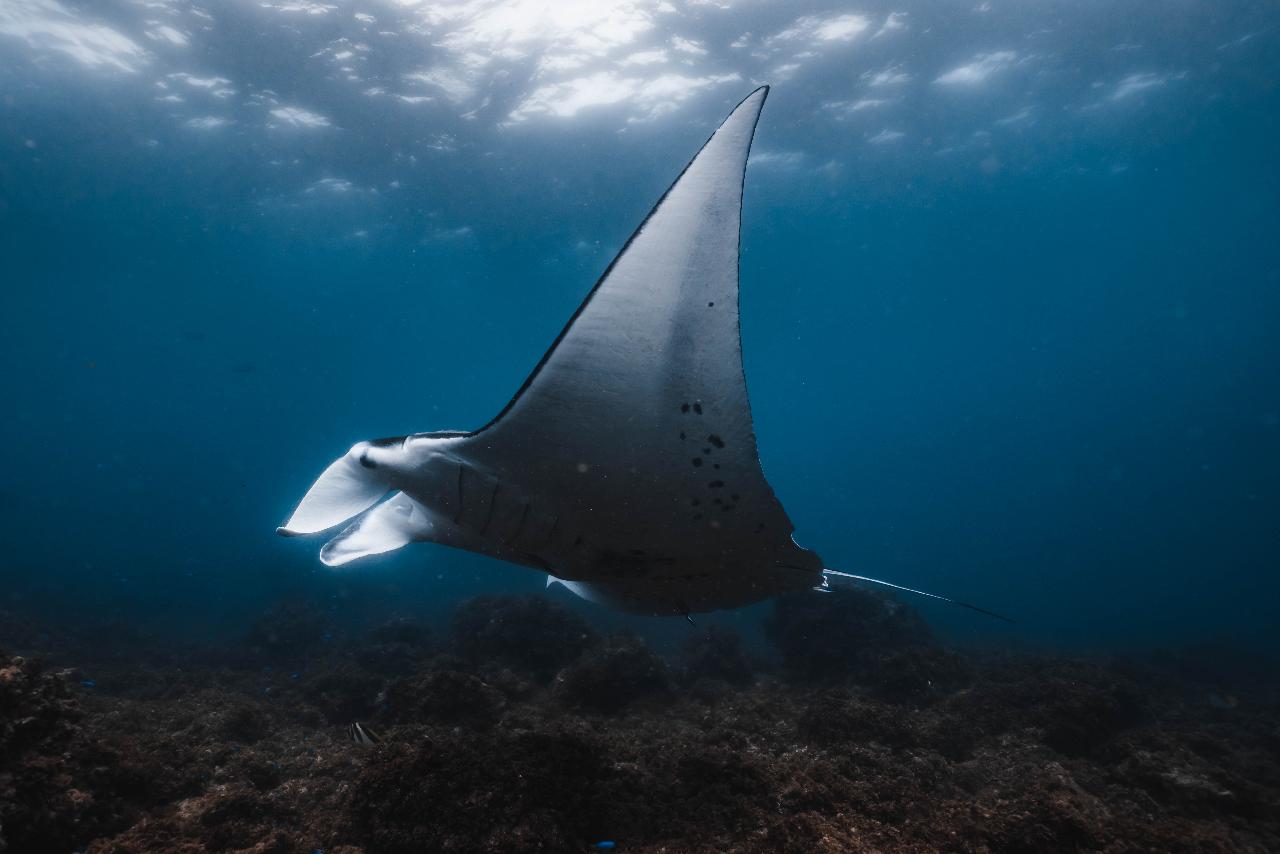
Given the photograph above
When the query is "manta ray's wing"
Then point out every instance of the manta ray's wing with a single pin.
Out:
(636, 425)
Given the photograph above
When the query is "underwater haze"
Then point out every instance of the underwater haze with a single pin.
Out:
(1010, 324)
(1010, 288)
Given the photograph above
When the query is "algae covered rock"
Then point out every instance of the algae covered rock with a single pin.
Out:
(526, 633)
(443, 696)
(715, 652)
(613, 676)
(48, 800)
(865, 637)
(524, 791)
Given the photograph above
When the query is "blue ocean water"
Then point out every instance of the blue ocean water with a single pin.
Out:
(1010, 287)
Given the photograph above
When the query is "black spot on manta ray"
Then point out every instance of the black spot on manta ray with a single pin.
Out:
(716, 440)
(682, 436)
(697, 461)
(684, 407)
(706, 450)
(695, 502)
(697, 407)
(711, 305)
(716, 466)
(715, 484)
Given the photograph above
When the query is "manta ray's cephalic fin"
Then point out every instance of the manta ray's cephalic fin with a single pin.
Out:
(350, 485)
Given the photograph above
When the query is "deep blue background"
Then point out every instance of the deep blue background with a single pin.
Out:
(1038, 372)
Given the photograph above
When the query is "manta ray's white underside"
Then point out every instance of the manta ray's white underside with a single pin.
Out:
(626, 465)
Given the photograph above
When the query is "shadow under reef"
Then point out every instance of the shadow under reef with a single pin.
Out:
(520, 727)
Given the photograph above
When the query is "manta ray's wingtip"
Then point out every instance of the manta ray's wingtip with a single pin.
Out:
(753, 104)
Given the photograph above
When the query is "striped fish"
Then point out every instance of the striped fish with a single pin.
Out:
(362, 735)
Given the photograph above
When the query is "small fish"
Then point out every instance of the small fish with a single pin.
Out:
(1223, 701)
(605, 844)
(362, 735)
(89, 683)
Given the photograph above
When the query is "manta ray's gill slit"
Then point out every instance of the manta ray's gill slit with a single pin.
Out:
(493, 502)
(524, 517)
(461, 471)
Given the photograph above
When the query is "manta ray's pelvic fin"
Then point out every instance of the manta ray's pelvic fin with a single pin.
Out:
(830, 572)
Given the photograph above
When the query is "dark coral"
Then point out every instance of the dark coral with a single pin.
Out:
(715, 652)
(517, 791)
(343, 691)
(526, 633)
(290, 632)
(614, 675)
(443, 696)
(1073, 706)
(54, 786)
(861, 636)
(396, 647)
(478, 753)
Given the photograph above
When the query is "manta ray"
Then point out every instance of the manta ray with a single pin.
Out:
(626, 466)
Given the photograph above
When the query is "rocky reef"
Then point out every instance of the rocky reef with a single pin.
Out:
(520, 727)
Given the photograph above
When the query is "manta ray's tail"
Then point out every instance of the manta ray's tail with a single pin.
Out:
(350, 485)
(828, 572)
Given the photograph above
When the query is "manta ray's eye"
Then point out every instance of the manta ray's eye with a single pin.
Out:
(366, 462)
